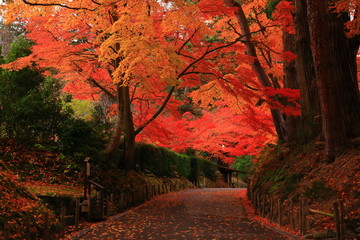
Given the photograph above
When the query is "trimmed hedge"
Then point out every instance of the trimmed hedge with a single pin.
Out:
(166, 163)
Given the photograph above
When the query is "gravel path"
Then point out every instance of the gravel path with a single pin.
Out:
(214, 213)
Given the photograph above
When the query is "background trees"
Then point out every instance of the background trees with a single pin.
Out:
(31, 105)
(34, 111)
(235, 66)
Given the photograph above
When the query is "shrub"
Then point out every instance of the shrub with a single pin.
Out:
(164, 162)
(244, 163)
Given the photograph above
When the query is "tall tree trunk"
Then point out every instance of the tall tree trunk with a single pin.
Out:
(292, 123)
(115, 140)
(336, 77)
(256, 65)
(124, 129)
(129, 132)
(309, 97)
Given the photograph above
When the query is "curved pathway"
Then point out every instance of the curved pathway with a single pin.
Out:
(214, 213)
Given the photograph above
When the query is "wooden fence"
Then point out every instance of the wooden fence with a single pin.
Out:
(114, 203)
(295, 215)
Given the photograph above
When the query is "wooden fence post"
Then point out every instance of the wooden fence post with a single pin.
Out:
(153, 190)
(302, 217)
(6, 231)
(263, 200)
(292, 217)
(279, 212)
(27, 229)
(62, 220)
(133, 197)
(144, 196)
(147, 192)
(127, 198)
(342, 216)
(271, 209)
(46, 226)
(77, 213)
(257, 203)
(339, 219)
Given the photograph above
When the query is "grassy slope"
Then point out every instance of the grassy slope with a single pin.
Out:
(21, 212)
(26, 173)
(40, 171)
(289, 174)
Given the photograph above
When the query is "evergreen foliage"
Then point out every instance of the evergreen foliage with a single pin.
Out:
(244, 163)
(31, 105)
(34, 110)
(163, 162)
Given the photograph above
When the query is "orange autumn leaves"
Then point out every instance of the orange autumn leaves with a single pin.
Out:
(152, 45)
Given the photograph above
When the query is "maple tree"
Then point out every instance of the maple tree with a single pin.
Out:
(139, 53)
(319, 85)
(131, 64)
(134, 65)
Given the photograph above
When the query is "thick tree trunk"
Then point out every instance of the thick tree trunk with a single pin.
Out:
(292, 123)
(256, 65)
(124, 129)
(115, 140)
(309, 97)
(129, 133)
(336, 77)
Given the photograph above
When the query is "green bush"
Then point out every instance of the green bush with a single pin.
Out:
(209, 169)
(164, 162)
(31, 105)
(194, 166)
(161, 161)
(244, 163)
(33, 110)
(79, 140)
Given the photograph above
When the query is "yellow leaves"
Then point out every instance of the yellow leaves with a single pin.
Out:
(142, 60)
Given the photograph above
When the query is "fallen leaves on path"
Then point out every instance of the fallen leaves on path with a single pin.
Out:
(193, 214)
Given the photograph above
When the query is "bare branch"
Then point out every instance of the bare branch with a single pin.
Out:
(205, 54)
(56, 4)
(187, 41)
(97, 3)
(133, 94)
(96, 83)
(107, 92)
(137, 131)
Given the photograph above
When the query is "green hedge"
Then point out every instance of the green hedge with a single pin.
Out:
(166, 163)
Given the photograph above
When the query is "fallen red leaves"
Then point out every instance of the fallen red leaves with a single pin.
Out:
(192, 214)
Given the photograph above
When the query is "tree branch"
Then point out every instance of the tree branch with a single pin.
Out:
(187, 41)
(56, 4)
(137, 131)
(107, 92)
(93, 81)
(204, 55)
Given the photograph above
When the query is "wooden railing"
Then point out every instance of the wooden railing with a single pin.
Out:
(97, 203)
(276, 210)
